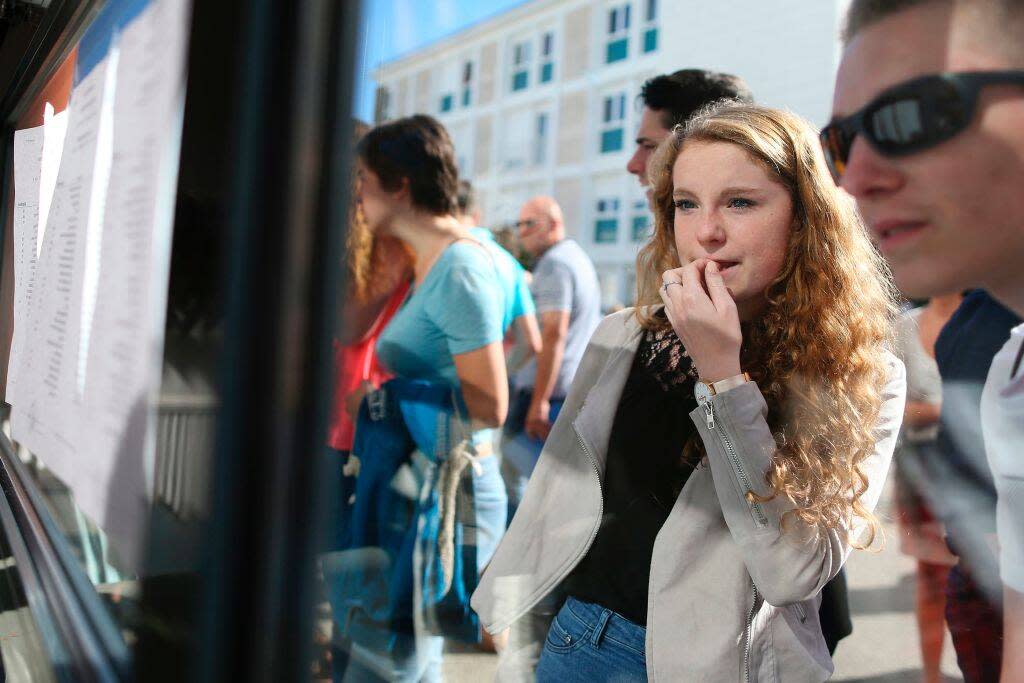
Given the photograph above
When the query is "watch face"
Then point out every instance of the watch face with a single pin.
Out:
(702, 392)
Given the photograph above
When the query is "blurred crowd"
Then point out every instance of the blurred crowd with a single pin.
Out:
(672, 490)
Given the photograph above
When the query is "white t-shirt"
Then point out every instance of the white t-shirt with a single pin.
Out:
(1002, 422)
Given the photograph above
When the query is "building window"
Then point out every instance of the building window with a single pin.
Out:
(520, 66)
(517, 139)
(547, 57)
(467, 84)
(447, 102)
(618, 34)
(613, 117)
(606, 223)
(651, 26)
(540, 139)
(641, 221)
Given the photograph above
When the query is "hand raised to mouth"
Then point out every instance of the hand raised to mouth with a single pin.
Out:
(704, 316)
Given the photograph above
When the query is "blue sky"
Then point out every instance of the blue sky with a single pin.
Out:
(394, 27)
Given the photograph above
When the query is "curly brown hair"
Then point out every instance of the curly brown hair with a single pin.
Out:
(818, 351)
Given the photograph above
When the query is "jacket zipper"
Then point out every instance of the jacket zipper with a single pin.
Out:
(590, 541)
(755, 508)
(748, 632)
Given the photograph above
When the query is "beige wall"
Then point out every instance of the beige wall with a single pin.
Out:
(482, 153)
(424, 93)
(488, 73)
(576, 43)
(569, 195)
(401, 106)
(572, 133)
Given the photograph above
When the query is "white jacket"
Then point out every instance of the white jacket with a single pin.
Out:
(730, 596)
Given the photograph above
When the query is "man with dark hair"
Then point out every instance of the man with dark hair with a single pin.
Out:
(670, 99)
(928, 136)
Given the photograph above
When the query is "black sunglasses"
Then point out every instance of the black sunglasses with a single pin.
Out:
(912, 116)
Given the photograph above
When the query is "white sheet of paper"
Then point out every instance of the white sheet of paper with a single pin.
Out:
(48, 412)
(125, 347)
(28, 158)
(88, 366)
(55, 129)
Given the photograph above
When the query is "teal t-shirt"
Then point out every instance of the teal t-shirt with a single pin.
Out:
(459, 307)
(518, 299)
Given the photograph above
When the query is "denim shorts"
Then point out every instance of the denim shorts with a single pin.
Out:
(587, 642)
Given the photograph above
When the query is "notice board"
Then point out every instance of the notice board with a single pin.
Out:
(93, 197)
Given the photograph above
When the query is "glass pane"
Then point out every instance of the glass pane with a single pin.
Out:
(641, 229)
(617, 50)
(546, 72)
(650, 40)
(111, 378)
(611, 140)
(507, 166)
(606, 230)
(23, 646)
(652, 10)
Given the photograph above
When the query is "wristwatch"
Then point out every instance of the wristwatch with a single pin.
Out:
(703, 391)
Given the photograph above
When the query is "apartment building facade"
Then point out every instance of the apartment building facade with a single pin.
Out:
(541, 99)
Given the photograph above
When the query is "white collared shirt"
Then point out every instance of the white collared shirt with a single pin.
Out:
(1002, 422)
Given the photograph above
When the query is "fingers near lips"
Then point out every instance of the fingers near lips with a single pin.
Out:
(695, 276)
(719, 293)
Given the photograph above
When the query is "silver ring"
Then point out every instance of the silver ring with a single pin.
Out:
(665, 286)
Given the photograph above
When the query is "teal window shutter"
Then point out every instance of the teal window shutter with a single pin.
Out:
(617, 50)
(606, 230)
(520, 80)
(547, 71)
(640, 231)
(611, 140)
(651, 40)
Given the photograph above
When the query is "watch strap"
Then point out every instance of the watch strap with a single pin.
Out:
(728, 383)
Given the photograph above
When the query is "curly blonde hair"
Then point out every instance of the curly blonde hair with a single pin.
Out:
(817, 351)
(365, 254)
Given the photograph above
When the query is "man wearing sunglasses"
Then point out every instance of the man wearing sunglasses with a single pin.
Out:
(928, 136)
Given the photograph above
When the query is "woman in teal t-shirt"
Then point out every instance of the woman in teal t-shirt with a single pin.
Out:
(449, 330)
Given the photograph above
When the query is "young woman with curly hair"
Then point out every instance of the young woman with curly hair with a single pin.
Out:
(724, 443)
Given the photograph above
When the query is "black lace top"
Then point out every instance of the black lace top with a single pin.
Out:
(644, 474)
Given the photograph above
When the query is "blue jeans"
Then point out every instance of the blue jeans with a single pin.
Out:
(587, 642)
(491, 502)
(519, 452)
